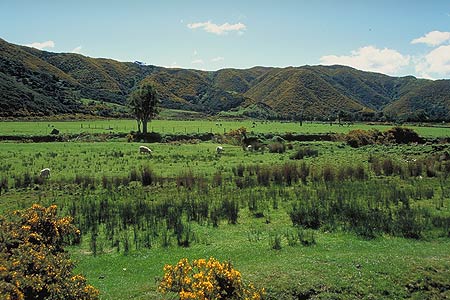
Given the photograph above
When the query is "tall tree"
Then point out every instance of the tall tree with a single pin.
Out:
(143, 103)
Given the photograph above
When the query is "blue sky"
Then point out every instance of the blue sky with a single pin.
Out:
(393, 37)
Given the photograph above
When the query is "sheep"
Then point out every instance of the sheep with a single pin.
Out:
(144, 149)
(45, 173)
(219, 149)
(249, 148)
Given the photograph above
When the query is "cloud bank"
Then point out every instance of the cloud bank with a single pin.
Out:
(40, 46)
(77, 50)
(433, 38)
(218, 29)
(435, 64)
(197, 62)
(217, 59)
(370, 58)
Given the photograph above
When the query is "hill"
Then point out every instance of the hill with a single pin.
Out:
(34, 83)
(30, 86)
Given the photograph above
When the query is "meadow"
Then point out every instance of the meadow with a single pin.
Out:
(305, 220)
(37, 128)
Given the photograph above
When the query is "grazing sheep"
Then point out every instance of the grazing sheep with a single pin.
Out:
(219, 149)
(45, 173)
(143, 149)
(249, 148)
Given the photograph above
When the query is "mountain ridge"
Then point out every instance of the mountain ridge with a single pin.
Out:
(35, 82)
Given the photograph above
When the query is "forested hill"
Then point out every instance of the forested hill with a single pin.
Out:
(34, 83)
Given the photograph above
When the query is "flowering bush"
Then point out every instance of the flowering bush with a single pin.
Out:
(207, 279)
(234, 136)
(33, 263)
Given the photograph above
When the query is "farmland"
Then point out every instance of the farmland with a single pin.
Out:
(37, 128)
(302, 219)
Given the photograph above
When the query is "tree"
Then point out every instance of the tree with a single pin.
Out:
(143, 103)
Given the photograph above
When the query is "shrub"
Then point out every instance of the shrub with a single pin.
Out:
(217, 179)
(206, 279)
(358, 138)
(307, 214)
(230, 209)
(234, 136)
(303, 172)
(134, 176)
(388, 167)
(277, 147)
(408, 222)
(3, 184)
(275, 241)
(304, 152)
(147, 176)
(34, 263)
(401, 135)
(186, 179)
(375, 165)
(290, 173)
(328, 174)
(263, 176)
(360, 173)
(238, 170)
(306, 237)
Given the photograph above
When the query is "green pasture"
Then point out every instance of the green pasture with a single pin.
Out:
(340, 265)
(198, 126)
(118, 158)
(97, 159)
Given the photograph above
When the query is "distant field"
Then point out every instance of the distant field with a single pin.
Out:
(197, 126)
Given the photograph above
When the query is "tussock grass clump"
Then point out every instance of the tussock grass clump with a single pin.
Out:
(277, 147)
(275, 241)
(148, 177)
(304, 152)
(238, 170)
(4, 184)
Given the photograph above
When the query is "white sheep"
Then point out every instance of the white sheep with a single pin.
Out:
(45, 173)
(143, 149)
(219, 149)
(249, 148)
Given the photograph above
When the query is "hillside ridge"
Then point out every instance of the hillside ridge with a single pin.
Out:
(35, 83)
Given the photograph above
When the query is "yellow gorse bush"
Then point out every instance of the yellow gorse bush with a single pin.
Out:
(206, 280)
(33, 262)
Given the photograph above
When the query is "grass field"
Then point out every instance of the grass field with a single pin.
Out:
(197, 126)
(340, 266)
(121, 199)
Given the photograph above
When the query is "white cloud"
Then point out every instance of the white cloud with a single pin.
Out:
(197, 62)
(195, 52)
(433, 38)
(435, 64)
(370, 58)
(218, 29)
(217, 59)
(77, 50)
(40, 46)
(173, 65)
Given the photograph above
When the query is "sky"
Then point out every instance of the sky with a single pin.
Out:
(394, 37)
